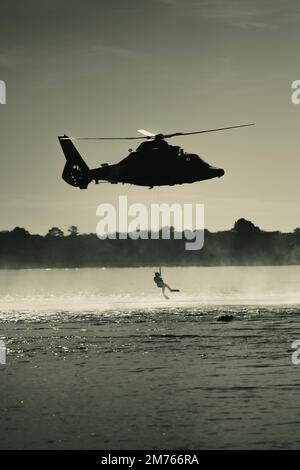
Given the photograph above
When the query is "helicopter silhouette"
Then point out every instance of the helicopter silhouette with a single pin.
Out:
(153, 163)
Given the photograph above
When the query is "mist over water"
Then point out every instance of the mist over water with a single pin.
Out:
(121, 290)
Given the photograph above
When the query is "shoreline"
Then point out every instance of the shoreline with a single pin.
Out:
(148, 266)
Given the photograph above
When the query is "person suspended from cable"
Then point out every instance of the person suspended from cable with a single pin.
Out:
(162, 285)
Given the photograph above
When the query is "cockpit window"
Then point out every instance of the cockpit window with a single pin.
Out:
(203, 161)
(190, 157)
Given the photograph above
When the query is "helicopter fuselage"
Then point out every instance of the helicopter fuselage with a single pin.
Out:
(158, 167)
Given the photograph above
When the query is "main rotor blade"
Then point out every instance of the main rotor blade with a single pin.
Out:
(149, 135)
(104, 138)
(146, 133)
(167, 136)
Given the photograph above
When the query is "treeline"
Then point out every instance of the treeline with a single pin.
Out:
(244, 244)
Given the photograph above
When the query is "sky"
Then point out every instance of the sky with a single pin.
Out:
(110, 67)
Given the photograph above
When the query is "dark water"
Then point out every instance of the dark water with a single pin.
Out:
(161, 379)
(166, 376)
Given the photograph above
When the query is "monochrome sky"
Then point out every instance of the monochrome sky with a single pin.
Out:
(110, 67)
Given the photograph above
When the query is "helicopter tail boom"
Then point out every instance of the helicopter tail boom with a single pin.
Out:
(76, 172)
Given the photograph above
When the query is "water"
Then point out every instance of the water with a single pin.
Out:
(98, 359)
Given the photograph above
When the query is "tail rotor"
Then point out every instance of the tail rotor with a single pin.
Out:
(76, 172)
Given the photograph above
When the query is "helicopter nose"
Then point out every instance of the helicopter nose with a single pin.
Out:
(220, 172)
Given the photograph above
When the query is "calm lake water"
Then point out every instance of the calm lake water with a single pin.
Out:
(98, 359)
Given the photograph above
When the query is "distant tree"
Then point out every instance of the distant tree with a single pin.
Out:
(20, 232)
(297, 235)
(245, 227)
(55, 232)
(73, 231)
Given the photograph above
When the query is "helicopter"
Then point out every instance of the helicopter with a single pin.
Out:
(153, 163)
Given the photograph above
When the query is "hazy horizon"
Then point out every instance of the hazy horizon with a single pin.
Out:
(80, 232)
